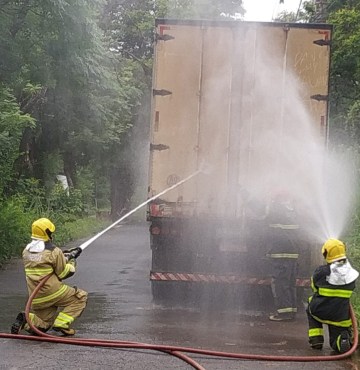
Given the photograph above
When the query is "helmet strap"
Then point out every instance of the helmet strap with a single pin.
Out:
(49, 233)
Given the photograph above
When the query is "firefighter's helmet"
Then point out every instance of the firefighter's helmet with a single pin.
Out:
(333, 250)
(42, 229)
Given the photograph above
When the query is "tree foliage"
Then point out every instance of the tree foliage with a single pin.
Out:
(345, 74)
(81, 109)
(304, 14)
(12, 124)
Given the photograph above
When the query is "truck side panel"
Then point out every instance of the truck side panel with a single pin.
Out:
(219, 111)
(175, 116)
(214, 120)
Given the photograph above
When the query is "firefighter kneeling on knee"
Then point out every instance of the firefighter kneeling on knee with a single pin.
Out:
(56, 305)
(332, 285)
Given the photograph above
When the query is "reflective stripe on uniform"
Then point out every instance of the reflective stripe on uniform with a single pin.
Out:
(287, 310)
(313, 287)
(315, 332)
(68, 268)
(283, 255)
(326, 292)
(343, 324)
(284, 226)
(338, 345)
(63, 320)
(38, 271)
(51, 296)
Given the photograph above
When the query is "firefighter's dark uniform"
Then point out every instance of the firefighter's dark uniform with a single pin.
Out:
(283, 231)
(330, 304)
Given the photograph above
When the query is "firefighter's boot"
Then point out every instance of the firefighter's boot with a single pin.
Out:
(344, 343)
(19, 323)
(65, 331)
(316, 342)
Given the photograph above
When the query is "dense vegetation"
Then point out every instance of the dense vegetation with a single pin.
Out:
(75, 85)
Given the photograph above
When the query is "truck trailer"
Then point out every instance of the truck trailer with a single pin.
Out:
(243, 106)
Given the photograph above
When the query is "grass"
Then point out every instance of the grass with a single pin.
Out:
(78, 229)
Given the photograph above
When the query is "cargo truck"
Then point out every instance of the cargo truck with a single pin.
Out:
(244, 107)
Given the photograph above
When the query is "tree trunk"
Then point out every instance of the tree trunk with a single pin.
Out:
(69, 168)
(121, 184)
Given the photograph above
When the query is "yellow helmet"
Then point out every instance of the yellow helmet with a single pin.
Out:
(42, 229)
(333, 250)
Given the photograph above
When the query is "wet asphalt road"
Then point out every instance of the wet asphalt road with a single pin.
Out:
(114, 270)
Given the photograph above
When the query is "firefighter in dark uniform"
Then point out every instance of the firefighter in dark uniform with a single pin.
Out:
(333, 285)
(283, 254)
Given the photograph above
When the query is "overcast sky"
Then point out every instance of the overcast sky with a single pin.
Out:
(265, 10)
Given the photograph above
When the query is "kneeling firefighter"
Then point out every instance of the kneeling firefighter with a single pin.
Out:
(56, 305)
(332, 285)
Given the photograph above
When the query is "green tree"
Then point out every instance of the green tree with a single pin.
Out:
(204, 9)
(81, 109)
(304, 14)
(12, 125)
(345, 75)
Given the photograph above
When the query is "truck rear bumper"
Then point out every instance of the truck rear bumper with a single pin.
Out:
(215, 278)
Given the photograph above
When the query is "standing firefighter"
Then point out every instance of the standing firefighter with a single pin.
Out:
(333, 285)
(282, 235)
(56, 305)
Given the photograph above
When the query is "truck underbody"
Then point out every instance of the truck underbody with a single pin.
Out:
(197, 260)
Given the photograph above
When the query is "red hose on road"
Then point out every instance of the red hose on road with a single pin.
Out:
(173, 350)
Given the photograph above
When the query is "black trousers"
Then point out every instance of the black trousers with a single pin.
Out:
(283, 284)
(316, 335)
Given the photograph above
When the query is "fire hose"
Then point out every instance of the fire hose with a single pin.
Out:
(177, 351)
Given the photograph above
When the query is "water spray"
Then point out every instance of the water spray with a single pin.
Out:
(91, 240)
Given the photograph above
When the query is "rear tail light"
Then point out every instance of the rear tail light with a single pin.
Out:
(155, 230)
(165, 230)
(161, 210)
(154, 209)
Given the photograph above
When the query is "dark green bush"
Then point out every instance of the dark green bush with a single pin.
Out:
(66, 201)
(353, 252)
(15, 226)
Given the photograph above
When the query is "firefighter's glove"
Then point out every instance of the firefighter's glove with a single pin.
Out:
(72, 262)
(72, 253)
